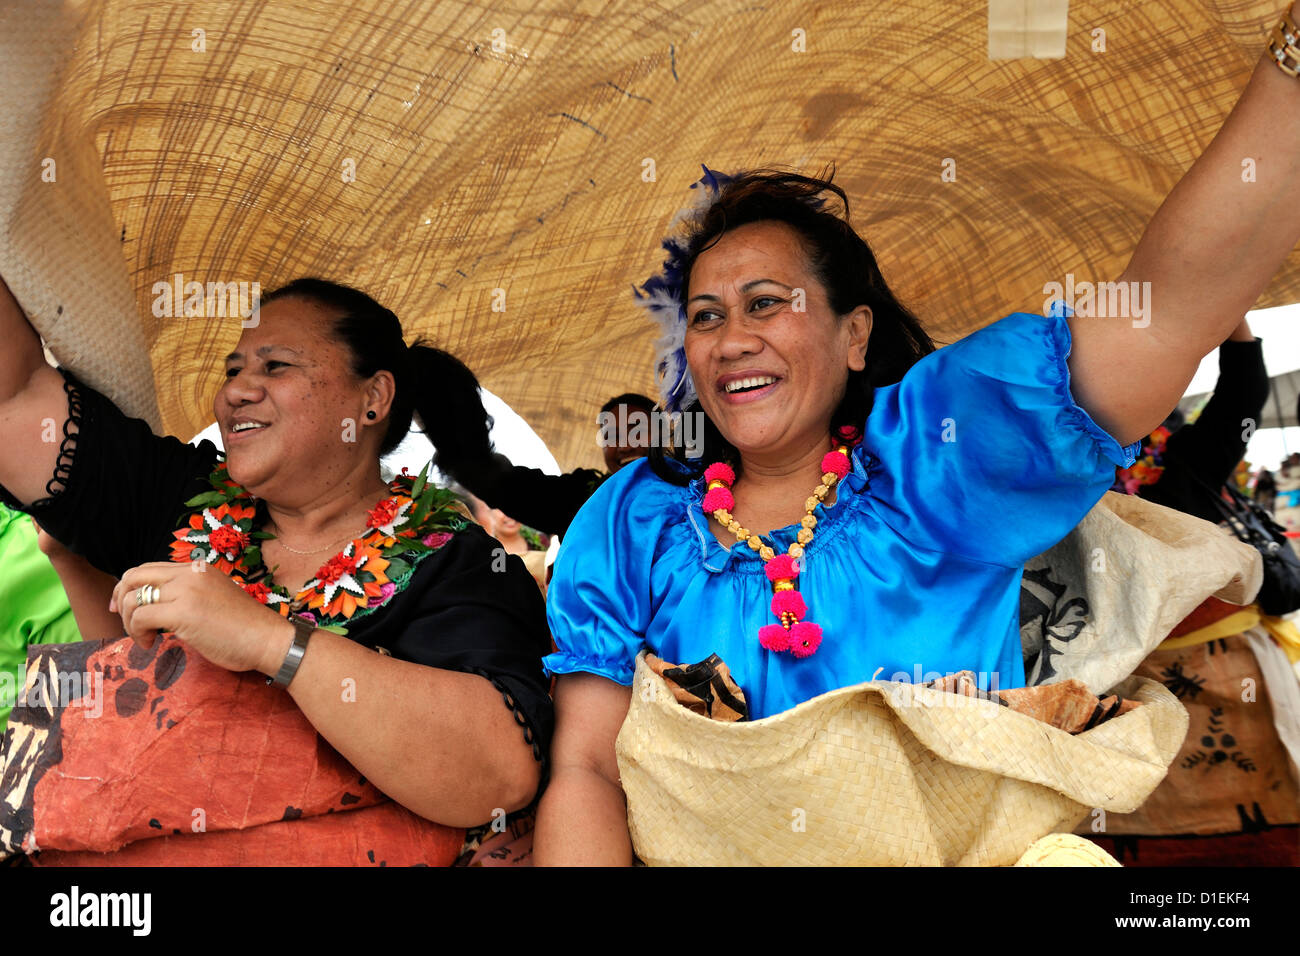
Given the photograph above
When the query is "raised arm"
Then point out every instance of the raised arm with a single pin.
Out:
(1206, 256)
(33, 405)
(529, 495)
(1201, 456)
(1213, 445)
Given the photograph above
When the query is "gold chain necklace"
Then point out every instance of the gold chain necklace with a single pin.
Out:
(280, 542)
(332, 542)
(307, 554)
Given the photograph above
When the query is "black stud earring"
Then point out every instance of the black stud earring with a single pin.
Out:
(371, 414)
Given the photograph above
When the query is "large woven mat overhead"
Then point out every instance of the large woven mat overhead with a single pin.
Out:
(507, 149)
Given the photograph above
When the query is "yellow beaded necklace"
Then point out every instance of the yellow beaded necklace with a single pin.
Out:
(801, 638)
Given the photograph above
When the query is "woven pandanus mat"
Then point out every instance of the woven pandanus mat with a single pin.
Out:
(879, 774)
(500, 175)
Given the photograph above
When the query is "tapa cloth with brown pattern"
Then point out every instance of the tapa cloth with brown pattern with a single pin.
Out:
(708, 689)
(157, 757)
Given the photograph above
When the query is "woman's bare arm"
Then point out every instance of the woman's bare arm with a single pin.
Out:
(1207, 255)
(441, 743)
(33, 406)
(583, 816)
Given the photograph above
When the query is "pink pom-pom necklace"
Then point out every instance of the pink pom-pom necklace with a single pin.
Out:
(801, 638)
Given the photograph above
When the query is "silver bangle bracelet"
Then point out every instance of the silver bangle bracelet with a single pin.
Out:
(302, 631)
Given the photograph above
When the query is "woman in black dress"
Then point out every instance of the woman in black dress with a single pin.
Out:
(448, 712)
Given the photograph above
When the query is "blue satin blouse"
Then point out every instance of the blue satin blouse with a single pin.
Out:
(978, 460)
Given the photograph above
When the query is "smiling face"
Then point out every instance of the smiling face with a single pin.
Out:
(628, 443)
(769, 377)
(503, 524)
(288, 389)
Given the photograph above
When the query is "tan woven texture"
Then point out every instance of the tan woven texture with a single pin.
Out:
(1065, 849)
(1123, 578)
(880, 774)
(508, 147)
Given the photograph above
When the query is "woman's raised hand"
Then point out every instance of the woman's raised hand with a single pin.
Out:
(1206, 256)
(207, 610)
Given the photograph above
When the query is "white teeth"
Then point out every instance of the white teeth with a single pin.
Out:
(245, 426)
(749, 383)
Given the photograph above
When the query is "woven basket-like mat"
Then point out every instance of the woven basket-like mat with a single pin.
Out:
(510, 149)
(1095, 604)
(1065, 849)
(878, 774)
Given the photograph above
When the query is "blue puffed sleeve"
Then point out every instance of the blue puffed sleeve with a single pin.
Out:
(981, 450)
(598, 603)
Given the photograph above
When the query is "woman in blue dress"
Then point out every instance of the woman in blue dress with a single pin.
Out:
(864, 504)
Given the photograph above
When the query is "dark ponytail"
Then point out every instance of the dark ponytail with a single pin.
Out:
(432, 385)
(445, 395)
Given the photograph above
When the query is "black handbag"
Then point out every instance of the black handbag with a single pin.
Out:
(1251, 523)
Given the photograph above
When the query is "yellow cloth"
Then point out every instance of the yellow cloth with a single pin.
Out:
(1283, 631)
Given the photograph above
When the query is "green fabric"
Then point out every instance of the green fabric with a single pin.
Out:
(33, 607)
